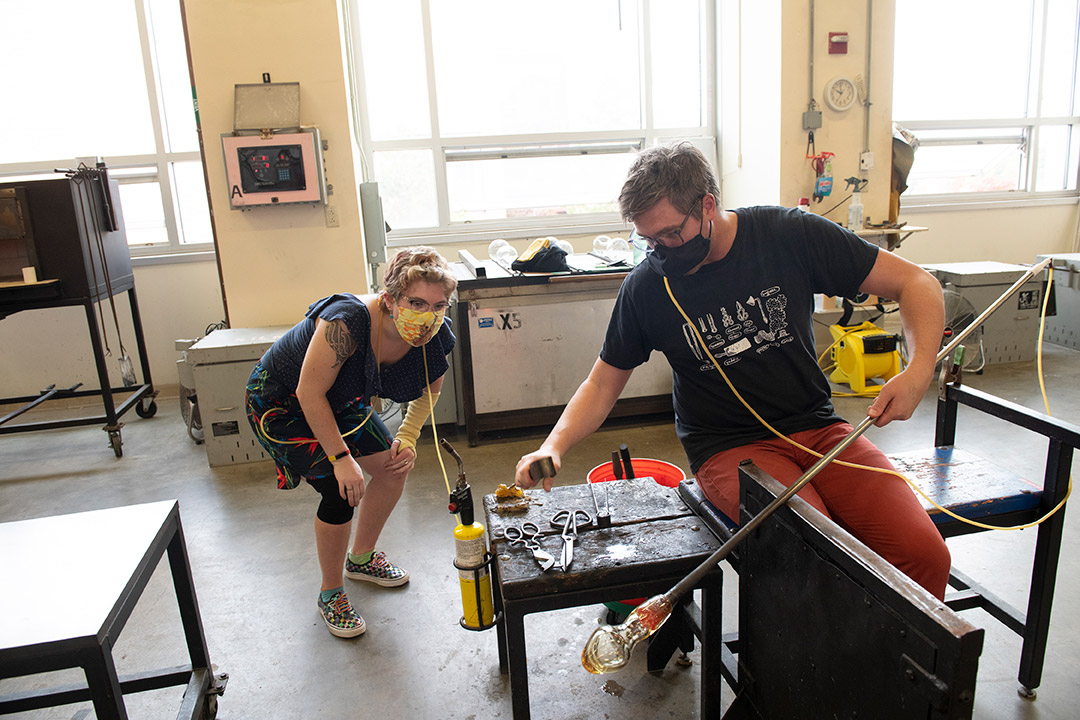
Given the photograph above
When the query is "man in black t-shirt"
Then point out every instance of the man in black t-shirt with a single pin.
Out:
(727, 297)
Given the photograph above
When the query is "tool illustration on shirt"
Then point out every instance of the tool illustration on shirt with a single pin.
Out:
(758, 322)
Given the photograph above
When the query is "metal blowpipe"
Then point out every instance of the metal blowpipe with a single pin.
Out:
(609, 648)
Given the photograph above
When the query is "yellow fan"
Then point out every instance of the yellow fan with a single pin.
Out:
(862, 353)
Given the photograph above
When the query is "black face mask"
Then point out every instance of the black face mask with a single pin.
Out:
(677, 261)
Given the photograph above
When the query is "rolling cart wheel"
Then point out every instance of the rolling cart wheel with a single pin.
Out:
(146, 412)
(116, 443)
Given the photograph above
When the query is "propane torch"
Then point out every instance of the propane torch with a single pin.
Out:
(471, 558)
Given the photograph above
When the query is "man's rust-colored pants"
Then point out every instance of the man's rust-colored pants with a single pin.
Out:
(877, 508)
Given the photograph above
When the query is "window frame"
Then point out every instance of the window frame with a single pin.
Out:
(161, 161)
(444, 147)
(1030, 131)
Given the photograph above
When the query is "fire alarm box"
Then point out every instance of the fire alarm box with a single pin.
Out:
(276, 169)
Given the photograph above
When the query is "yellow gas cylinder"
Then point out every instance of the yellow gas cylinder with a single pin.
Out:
(471, 554)
(471, 547)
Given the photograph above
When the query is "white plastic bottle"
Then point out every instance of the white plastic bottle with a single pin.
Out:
(855, 211)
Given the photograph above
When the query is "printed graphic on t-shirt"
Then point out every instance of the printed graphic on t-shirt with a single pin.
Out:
(757, 323)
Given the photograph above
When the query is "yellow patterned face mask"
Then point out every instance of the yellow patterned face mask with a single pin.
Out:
(417, 328)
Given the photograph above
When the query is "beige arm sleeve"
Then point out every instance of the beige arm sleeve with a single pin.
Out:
(415, 417)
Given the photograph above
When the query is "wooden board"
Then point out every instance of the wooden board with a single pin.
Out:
(966, 484)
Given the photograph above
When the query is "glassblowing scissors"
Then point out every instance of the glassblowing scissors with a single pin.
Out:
(568, 520)
(528, 535)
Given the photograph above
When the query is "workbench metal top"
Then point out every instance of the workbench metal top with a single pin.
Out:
(652, 533)
(586, 268)
(235, 344)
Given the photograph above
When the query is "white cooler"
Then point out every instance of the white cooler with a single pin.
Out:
(1010, 333)
(1064, 327)
(222, 362)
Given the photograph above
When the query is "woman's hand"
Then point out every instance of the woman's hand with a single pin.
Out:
(400, 460)
(350, 480)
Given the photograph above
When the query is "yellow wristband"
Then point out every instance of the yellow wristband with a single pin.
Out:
(335, 458)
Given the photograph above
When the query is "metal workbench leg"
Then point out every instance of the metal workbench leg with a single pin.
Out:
(1044, 570)
(185, 598)
(500, 612)
(104, 686)
(712, 645)
(676, 633)
(517, 657)
(140, 339)
(102, 369)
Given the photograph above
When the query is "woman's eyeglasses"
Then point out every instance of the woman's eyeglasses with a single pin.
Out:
(420, 305)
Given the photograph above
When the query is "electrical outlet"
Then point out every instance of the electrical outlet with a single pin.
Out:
(331, 216)
(866, 161)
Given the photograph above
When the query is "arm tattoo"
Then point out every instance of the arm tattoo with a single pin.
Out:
(339, 339)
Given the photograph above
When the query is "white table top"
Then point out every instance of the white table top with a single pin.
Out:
(63, 576)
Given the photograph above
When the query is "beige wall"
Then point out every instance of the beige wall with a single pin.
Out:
(842, 133)
(276, 260)
(1013, 235)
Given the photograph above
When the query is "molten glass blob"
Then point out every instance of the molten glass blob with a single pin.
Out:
(609, 648)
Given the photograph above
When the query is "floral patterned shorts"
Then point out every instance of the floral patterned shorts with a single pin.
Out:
(279, 424)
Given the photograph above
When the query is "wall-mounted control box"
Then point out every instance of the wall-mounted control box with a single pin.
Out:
(278, 169)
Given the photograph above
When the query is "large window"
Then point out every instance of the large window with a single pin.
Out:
(493, 117)
(107, 79)
(990, 92)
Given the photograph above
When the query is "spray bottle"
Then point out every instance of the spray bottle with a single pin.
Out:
(471, 556)
(823, 180)
(855, 210)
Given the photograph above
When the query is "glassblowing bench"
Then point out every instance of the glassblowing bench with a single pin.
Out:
(654, 540)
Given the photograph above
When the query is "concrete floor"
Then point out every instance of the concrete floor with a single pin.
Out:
(255, 570)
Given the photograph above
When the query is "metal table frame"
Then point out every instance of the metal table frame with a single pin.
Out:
(1033, 624)
(140, 394)
(93, 653)
(589, 584)
(703, 622)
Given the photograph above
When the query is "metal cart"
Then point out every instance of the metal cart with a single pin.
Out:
(70, 230)
(141, 397)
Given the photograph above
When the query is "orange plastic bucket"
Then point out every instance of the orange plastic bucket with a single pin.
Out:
(663, 473)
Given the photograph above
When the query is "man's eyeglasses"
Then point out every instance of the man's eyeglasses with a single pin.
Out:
(420, 305)
(668, 239)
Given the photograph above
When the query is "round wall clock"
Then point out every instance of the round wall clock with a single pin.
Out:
(840, 93)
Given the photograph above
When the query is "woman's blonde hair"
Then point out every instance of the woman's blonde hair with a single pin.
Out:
(418, 263)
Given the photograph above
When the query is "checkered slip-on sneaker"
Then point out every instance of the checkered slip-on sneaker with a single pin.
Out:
(340, 618)
(378, 570)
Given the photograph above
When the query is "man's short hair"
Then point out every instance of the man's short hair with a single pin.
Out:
(679, 172)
